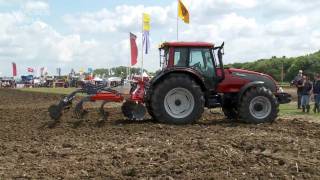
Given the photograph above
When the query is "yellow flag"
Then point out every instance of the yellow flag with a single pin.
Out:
(183, 12)
(146, 22)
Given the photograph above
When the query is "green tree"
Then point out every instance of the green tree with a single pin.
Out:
(101, 72)
(120, 71)
(310, 64)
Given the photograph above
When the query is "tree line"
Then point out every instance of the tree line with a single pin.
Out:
(283, 68)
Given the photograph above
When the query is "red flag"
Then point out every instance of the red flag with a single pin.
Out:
(30, 70)
(14, 69)
(134, 49)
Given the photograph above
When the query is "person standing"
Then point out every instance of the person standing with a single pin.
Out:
(305, 94)
(316, 93)
(298, 80)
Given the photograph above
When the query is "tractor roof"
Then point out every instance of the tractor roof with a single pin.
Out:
(186, 44)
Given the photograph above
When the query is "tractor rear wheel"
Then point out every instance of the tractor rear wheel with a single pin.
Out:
(258, 105)
(177, 100)
(149, 92)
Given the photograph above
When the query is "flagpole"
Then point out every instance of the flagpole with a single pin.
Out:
(142, 49)
(129, 71)
(130, 64)
(177, 20)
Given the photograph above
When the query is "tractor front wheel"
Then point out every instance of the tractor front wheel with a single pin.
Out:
(177, 100)
(258, 105)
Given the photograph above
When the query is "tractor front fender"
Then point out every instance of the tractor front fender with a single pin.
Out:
(248, 86)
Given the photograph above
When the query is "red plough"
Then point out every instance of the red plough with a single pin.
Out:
(132, 107)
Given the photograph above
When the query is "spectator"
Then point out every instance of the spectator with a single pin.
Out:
(305, 94)
(316, 92)
(298, 80)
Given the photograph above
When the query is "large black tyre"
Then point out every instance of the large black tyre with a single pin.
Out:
(149, 92)
(177, 100)
(258, 105)
(149, 110)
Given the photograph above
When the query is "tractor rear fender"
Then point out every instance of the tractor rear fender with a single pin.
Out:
(249, 86)
(188, 72)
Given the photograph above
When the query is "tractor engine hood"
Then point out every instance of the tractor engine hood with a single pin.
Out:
(240, 77)
(246, 72)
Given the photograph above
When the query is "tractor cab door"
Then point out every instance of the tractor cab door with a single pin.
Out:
(201, 59)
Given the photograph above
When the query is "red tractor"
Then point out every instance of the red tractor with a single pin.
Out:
(192, 78)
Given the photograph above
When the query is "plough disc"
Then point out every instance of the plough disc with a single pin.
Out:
(79, 112)
(104, 115)
(133, 111)
(55, 112)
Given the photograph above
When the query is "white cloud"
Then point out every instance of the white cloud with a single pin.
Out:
(251, 29)
(36, 7)
(9, 2)
(123, 18)
(39, 44)
(288, 26)
(289, 6)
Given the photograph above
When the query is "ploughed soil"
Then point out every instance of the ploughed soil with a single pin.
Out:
(32, 147)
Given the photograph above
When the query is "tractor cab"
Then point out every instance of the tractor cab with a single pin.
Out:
(199, 58)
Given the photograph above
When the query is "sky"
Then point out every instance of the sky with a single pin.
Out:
(95, 33)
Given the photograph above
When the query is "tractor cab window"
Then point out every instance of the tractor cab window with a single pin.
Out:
(180, 57)
(164, 57)
(201, 60)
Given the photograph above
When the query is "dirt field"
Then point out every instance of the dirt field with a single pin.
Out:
(211, 149)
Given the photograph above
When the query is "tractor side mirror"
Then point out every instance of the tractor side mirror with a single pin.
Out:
(220, 57)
